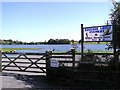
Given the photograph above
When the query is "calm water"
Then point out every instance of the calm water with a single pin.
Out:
(57, 48)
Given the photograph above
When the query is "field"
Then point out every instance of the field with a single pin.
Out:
(13, 49)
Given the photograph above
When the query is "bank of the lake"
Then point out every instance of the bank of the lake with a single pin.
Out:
(15, 49)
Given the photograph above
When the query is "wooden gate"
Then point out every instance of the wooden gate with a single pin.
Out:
(16, 62)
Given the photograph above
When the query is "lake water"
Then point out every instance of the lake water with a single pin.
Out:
(57, 48)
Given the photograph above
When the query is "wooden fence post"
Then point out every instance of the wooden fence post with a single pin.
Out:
(73, 57)
(47, 63)
(48, 56)
(0, 61)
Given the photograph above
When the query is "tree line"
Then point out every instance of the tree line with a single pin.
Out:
(50, 41)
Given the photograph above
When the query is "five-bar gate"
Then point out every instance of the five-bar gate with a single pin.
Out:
(24, 63)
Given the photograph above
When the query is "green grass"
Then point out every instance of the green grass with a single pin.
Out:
(12, 49)
(95, 42)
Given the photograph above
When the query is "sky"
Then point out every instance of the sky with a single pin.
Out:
(40, 21)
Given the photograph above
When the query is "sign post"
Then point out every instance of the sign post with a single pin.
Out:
(97, 34)
(114, 45)
(82, 40)
(114, 38)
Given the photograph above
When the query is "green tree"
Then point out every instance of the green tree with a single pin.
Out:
(51, 41)
(58, 41)
(115, 20)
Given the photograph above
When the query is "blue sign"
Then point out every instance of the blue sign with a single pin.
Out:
(98, 33)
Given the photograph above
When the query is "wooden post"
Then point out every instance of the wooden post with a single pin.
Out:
(114, 38)
(47, 63)
(0, 62)
(73, 57)
(82, 40)
(114, 45)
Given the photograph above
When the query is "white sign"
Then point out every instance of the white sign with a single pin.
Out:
(98, 33)
(54, 63)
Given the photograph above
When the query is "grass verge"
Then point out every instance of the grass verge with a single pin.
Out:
(13, 49)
